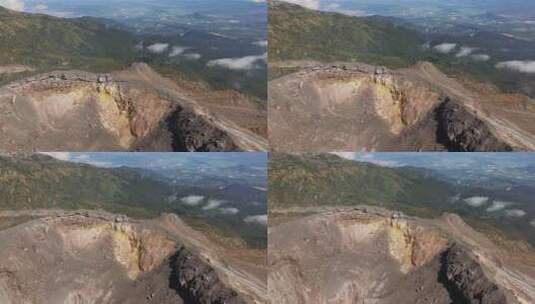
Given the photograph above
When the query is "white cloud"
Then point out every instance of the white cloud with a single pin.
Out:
(476, 201)
(16, 5)
(515, 213)
(192, 56)
(172, 198)
(261, 43)
(158, 48)
(445, 48)
(177, 50)
(313, 4)
(498, 205)
(480, 57)
(257, 219)
(465, 51)
(332, 6)
(244, 63)
(532, 223)
(346, 155)
(64, 156)
(41, 7)
(228, 210)
(354, 13)
(527, 66)
(86, 159)
(213, 204)
(192, 200)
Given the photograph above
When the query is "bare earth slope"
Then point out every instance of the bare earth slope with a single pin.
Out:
(96, 257)
(370, 255)
(352, 106)
(134, 109)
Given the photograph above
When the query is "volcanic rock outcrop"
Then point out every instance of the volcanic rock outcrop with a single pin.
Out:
(459, 130)
(197, 282)
(96, 257)
(370, 255)
(131, 110)
(466, 281)
(352, 106)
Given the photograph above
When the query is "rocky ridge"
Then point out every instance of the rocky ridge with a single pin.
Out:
(354, 106)
(371, 254)
(97, 257)
(76, 110)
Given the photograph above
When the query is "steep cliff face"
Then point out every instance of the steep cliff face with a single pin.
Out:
(193, 133)
(466, 281)
(130, 110)
(460, 130)
(373, 255)
(360, 107)
(197, 282)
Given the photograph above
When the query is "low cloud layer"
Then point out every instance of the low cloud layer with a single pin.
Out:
(445, 48)
(192, 56)
(192, 200)
(228, 211)
(158, 48)
(177, 50)
(213, 204)
(476, 201)
(515, 213)
(257, 219)
(465, 51)
(480, 57)
(498, 205)
(244, 63)
(172, 198)
(527, 66)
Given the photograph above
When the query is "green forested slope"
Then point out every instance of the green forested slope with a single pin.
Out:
(42, 41)
(42, 182)
(299, 33)
(324, 179)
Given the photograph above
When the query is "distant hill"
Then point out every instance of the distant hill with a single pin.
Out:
(299, 33)
(43, 41)
(42, 182)
(325, 179)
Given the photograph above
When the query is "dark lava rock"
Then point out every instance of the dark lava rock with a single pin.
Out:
(461, 131)
(192, 133)
(465, 280)
(197, 283)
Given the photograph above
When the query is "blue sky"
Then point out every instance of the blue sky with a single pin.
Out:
(445, 160)
(49, 6)
(408, 7)
(163, 160)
